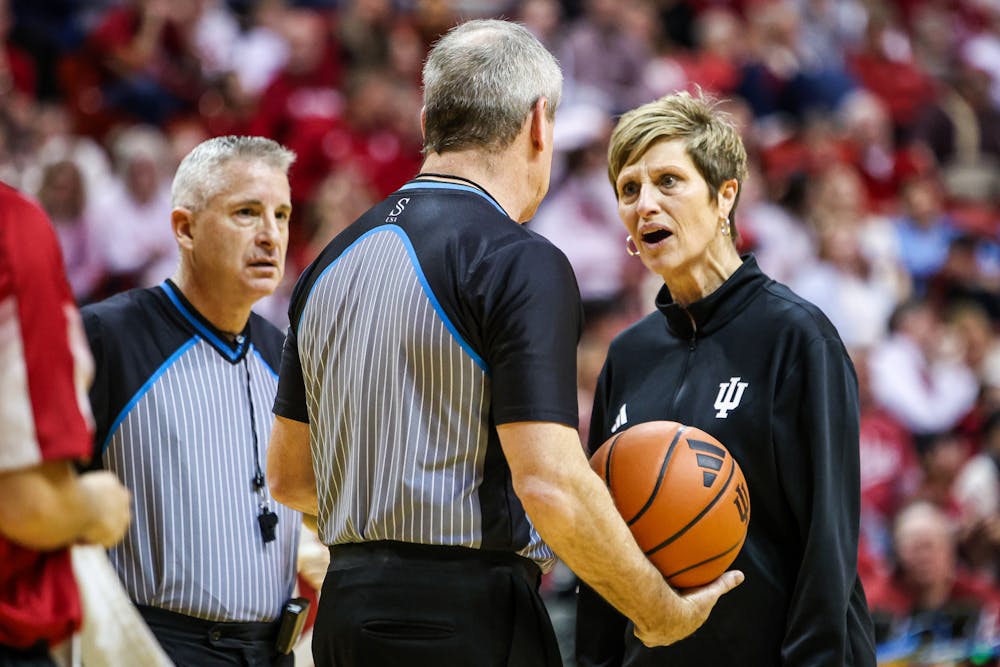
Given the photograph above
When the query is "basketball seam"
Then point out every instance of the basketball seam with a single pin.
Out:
(659, 479)
(706, 561)
(607, 461)
(696, 519)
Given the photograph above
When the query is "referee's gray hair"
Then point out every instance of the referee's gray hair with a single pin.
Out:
(480, 82)
(197, 178)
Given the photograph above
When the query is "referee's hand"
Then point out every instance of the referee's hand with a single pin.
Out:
(109, 504)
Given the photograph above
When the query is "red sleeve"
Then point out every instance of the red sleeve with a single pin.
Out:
(45, 364)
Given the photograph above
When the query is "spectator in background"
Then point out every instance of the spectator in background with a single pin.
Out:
(916, 376)
(132, 210)
(713, 66)
(924, 230)
(580, 216)
(977, 491)
(965, 276)
(601, 63)
(781, 77)
(339, 200)
(45, 33)
(379, 131)
(962, 129)
(144, 56)
(45, 427)
(982, 49)
(364, 29)
(884, 65)
(870, 145)
(17, 68)
(928, 591)
(842, 285)
(977, 340)
(941, 455)
(890, 468)
(63, 195)
(305, 100)
(837, 199)
(782, 241)
(248, 46)
(542, 18)
(58, 141)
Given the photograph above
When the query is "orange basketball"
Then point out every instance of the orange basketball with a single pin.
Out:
(682, 494)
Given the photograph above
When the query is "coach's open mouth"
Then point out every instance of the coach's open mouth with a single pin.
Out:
(656, 236)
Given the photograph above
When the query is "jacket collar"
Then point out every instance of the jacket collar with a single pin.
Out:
(710, 313)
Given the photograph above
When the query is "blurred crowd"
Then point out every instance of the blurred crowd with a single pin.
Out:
(873, 129)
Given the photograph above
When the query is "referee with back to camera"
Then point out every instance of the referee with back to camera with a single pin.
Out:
(427, 401)
(186, 375)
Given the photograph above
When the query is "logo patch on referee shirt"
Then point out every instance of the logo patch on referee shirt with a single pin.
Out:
(397, 210)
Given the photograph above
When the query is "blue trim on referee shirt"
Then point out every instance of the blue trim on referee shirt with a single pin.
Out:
(260, 356)
(398, 231)
(205, 333)
(438, 185)
(145, 388)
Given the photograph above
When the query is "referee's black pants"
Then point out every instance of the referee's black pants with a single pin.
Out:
(195, 642)
(391, 604)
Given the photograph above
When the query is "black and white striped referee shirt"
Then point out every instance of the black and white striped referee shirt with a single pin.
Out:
(429, 321)
(173, 422)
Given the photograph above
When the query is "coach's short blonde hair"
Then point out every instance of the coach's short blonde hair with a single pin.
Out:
(709, 133)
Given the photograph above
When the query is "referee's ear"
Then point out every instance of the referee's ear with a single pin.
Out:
(181, 220)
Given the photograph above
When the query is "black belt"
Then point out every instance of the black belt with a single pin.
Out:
(214, 630)
(387, 552)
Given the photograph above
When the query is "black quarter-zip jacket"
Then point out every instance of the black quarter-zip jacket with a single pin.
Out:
(764, 372)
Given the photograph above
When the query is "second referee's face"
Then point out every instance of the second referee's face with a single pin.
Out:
(241, 235)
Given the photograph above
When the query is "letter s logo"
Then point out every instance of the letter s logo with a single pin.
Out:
(397, 210)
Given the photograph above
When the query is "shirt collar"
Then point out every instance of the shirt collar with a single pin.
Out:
(231, 350)
(443, 185)
(711, 312)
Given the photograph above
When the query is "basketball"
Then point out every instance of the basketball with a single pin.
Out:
(683, 496)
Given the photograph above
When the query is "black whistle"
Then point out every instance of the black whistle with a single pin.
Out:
(267, 520)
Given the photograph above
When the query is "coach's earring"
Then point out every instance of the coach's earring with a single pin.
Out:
(630, 247)
(724, 226)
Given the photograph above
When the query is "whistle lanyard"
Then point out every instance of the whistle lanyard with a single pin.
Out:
(266, 519)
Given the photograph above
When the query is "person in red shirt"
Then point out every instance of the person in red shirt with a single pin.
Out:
(928, 588)
(45, 425)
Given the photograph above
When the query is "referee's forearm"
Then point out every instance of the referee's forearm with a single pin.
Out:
(290, 476)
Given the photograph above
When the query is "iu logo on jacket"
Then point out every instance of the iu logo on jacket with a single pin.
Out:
(730, 395)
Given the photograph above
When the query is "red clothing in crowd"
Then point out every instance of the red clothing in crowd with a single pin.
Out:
(893, 596)
(890, 470)
(44, 415)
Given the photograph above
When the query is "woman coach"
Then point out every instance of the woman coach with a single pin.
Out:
(735, 353)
